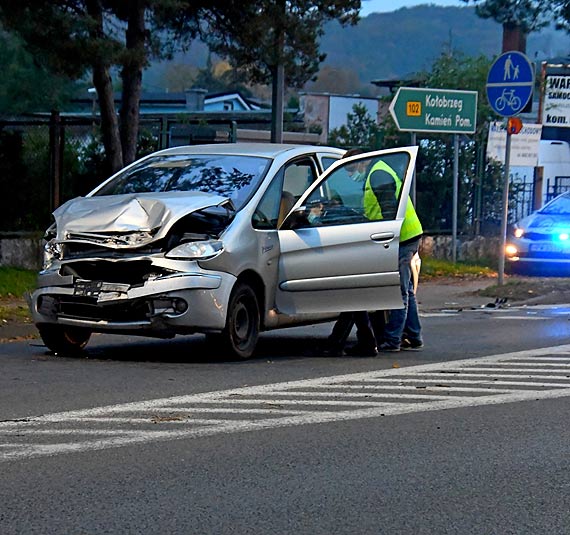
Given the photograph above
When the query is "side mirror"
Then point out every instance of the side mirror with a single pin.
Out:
(296, 219)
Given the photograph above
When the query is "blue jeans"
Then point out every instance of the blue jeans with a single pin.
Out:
(405, 319)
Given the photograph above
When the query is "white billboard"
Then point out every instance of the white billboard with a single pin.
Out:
(524, 145)
(556, 109)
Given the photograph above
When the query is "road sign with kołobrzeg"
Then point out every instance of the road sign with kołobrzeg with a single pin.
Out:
(450, 111)
(510, 83)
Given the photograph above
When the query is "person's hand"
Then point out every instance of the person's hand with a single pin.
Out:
(315, 212)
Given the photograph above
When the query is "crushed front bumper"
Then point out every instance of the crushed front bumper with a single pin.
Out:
(178, 303)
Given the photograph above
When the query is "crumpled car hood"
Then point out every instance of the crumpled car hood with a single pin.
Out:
(137, 212)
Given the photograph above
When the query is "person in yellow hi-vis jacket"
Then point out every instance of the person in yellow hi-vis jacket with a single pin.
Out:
(381, 191)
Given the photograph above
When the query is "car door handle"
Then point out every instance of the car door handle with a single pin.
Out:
(385, 237)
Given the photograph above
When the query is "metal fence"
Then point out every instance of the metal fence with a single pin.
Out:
(522, 200)
(560, 184)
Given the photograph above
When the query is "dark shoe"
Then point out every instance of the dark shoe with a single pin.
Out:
(360, 350)
(385, 347)
(411, 345)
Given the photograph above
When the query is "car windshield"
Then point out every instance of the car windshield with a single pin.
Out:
(560, 205)
(232, 176)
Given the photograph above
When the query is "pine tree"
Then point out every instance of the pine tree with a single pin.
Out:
(74, 37)
(276, 41)
(518, 18)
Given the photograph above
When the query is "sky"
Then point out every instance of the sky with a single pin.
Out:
(380, 6)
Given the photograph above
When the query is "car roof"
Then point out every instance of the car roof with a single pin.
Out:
(267, 150)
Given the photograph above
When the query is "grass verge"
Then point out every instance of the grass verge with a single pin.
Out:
(14, 283)
(433, 268)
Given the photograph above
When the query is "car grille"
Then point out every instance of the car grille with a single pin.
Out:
(132, 273)
(86, 308)
(78, 250)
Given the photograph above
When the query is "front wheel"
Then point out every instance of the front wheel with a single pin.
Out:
(240, 335)
(64, 340)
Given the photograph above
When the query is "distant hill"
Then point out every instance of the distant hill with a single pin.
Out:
(397, 44)
(386, 45)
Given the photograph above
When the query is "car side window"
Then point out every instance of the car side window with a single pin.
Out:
(327, 161)
(289, 184)
(299, 175)
(358, 192)
(269, 210)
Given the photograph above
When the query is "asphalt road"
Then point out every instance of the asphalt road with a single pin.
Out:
(144, 436)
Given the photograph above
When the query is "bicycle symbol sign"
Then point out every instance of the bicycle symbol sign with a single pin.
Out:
(510, 83)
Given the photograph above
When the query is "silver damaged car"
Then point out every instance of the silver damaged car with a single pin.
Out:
(228, 240)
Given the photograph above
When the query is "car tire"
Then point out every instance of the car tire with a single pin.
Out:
(241, 333)
(64, 340)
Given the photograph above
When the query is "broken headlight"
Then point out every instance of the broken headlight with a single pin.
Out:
(52, 252)
(196, 250)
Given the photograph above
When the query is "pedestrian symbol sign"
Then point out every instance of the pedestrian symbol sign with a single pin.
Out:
(510, 83)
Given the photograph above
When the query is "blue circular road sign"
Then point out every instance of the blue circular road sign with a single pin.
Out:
(510, 83)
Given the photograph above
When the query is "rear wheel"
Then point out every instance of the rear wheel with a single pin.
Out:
(242, 323)
(64, 340)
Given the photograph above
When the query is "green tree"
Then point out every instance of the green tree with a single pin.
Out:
(518, 18)
(22, 78)
(73, 37)
(221, 76)
(275, 41)
(562, 14)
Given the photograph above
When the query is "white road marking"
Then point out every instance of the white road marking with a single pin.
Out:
(524, 374)
(429, 387)
(438, 314)
(544, 364)
(522, 368)
(550, 359)
(522, 313)
(524, 318)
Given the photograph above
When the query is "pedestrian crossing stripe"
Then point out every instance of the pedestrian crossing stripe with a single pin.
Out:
(506, 378)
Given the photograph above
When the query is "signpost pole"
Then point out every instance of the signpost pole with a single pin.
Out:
(413, 189)
(509, 88)
(455, 197)
(505, 215)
